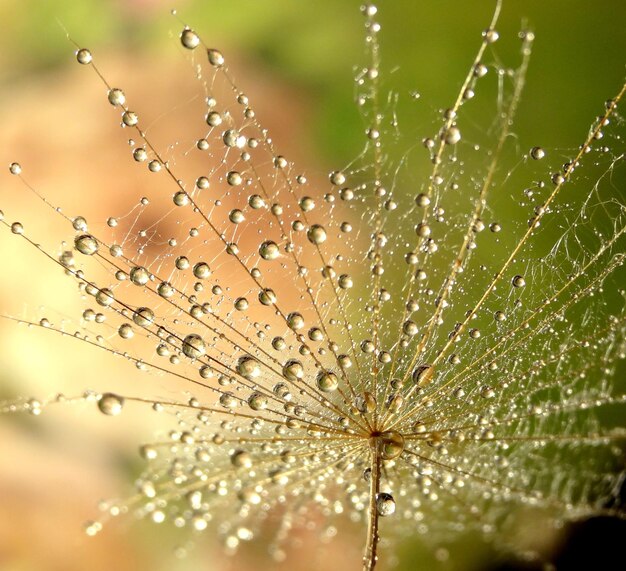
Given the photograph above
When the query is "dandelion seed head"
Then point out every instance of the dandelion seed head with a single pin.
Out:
(357, 345)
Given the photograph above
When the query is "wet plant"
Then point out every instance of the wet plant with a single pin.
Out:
(426, 342)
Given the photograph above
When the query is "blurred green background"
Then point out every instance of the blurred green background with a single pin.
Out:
(311, 48)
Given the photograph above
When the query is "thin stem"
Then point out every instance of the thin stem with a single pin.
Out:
(370, 556)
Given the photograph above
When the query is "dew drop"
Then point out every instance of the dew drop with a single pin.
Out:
(327, 382)
(143, 316)
(116, 96)
(189, 39)
(248, 367)
(215, 57)
(537, 153)
(337, 178)
(518, 281)
(257, 401)
(194, 346)
(139, 275)
(385, 504)
(391, 444)
(111, 404)
(129, 118)
(241, 459)
(83, 56)
(86, 244)
(201, 270)
(15, 168)
(316, 234)
(269, 250)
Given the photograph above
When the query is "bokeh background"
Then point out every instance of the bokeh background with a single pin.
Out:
(296, 60)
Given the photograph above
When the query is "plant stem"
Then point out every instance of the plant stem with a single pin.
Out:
(370, 556)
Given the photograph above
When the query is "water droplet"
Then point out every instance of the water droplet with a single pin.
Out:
(241, 459)
(139, 275)
(518, 281)
(327, 382)
(189, 39)
(130, 118)
(293, 370)
(269, 250)
(194, 346)
(257, 401)
(316, 234)
(385, 504)
(125, 331)
(201, 270)
(365, 402)
(116, 96)
(423, 230)
(86, 244)
(267, 297)
(337, 178)
(391, 444)
(83, 56)
(15, 168)
(215, 57)
(111, 404)
(143, 316)
(248, 367)
(422, 375)
(452, 135)
(233, 178)
(537, 153)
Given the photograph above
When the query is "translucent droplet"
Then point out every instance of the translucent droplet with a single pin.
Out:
(143, 316)
(189, 39)
(248, 367)
(257, 401)
(116, 96)
(365, 402)
(227, 400)
(125, 331)
(86, 244)
(422, 375)
(215, 57)
(385, 504)
(84, 56)
(15, 168)
(391, 444)
(194, 346)
(327, 382)
(316, 234)
(337, 178)
(345, 281)
(130, 118)
(233, 178)
(111, 404)
(214, 119)
(537, 153)
(295, 320)
(241, 459)
(17, 228)
(139, 275)
(423, 230)
(267, 297)
(518, 281)
(293, 370)
(201, 270)
(104, 297)
(452, 135)
(269, 250)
